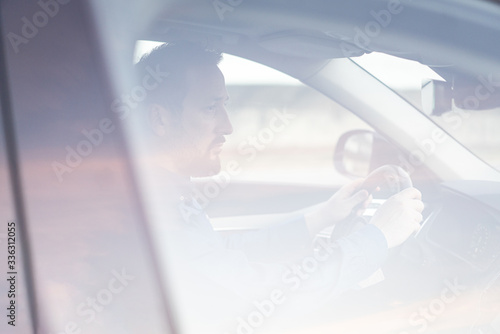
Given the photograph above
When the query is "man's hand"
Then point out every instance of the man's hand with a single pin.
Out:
(399, 216)
(338, 207)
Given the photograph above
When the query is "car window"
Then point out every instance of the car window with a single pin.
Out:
(472, 127)
(475, 129)
(285, 133)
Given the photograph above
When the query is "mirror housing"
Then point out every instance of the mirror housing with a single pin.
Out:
(359, 152)
(353, 153)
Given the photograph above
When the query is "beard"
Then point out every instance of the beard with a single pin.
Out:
(204, 166)
(189, 159)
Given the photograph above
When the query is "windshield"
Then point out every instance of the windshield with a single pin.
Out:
(475, 128)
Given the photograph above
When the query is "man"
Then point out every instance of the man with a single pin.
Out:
(184, 129)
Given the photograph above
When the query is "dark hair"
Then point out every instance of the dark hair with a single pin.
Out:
(175, 59)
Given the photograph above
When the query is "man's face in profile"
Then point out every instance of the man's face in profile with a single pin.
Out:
(203, 123)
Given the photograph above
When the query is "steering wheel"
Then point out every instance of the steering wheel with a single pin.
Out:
(382, 183)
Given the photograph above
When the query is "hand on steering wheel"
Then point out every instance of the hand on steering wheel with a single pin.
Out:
(399, 215)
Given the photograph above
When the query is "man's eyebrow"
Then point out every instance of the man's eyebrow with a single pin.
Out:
(218, 98)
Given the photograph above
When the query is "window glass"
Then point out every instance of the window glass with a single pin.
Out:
(286, 133)
(475, 129)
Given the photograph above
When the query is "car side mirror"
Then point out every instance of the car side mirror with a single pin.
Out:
(353, 153)
(359, 152)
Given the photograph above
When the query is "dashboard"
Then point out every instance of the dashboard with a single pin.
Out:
(466, 224)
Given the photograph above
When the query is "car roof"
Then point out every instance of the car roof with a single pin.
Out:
(439, 33)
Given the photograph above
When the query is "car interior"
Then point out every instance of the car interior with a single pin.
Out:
(85, 211)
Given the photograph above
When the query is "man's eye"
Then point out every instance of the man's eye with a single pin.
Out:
(210, 110)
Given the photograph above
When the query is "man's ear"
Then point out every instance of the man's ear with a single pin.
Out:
(159, 119)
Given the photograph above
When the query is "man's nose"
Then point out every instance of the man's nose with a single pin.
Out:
(224, 126)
